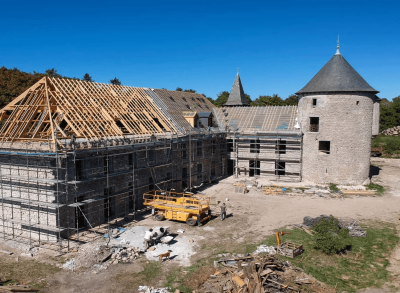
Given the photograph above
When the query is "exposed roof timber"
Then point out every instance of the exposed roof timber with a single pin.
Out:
(54, 108)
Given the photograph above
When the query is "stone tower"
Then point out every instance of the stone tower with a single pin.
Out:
(338, 114)
(237, 96)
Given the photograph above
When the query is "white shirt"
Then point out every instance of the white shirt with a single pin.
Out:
(148, 235)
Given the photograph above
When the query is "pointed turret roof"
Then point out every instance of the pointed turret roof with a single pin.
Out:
(337, 76)
(237, 97)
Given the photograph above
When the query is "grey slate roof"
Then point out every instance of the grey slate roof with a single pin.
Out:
(177, 102)
(252, 119)
(237, 97)
(337, 76)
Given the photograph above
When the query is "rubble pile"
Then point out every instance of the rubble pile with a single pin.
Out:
(345, 223)
(394, 131)
(259, 274)
(147, 289)
(125, 254)
(98, 256)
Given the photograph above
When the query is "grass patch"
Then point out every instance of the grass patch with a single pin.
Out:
(29, 272)
(333, 187)
(150, 271)
(390, 144)
(365, 265)
(379, 188)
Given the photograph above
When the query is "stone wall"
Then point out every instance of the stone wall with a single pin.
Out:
(268, 155)
(345, 120)
(99, 181)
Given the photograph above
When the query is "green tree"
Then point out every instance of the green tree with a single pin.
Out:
(273, 100)
(87, 78)
(222, 97)
(189, 91)
(115, 81)
(390, 113)
(292, 100)
(179, 89)
(53, 73)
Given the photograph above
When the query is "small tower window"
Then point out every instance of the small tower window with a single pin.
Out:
(314, 124)
(358, 103)
(324, 147)
(314, 102)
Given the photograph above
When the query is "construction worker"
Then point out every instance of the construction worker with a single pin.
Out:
(148, 238)
(223, 211)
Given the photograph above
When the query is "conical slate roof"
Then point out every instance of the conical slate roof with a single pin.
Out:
(237, 97)
(337, 76)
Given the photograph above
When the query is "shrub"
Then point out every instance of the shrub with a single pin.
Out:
(329, 237)
(333, 187)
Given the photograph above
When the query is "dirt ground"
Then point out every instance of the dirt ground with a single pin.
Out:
(251, 217)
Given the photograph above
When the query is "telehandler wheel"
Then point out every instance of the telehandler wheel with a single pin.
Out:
(191, 221)
(159, 217)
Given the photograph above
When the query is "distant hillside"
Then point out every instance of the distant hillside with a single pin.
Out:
(14, 82)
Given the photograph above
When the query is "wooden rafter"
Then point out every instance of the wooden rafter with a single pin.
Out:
(85, 109)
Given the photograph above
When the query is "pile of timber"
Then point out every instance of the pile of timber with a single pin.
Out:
(271, 190)
(257, 274)
(357, 192)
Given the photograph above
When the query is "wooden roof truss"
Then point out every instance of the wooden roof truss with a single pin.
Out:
(87, 110)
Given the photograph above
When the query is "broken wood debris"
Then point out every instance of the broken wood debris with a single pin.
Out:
(271, 190)
(16, 288)
(254, 274)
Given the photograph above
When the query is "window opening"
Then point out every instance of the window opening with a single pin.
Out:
(151, 155)
(199, 148)
(63, 124)
(184, 172)
(314, 102)
(229, 145)
(79, 170)
(151, 183)
(121, 126)
(324, 147)
(107, 167)
(280, 168)
(130, 193)
(109, 207)
(280, 147)
(183, 151)
(254, 167)
(79, 212)
(199, 171)
(357, 103)
(314, 124)
(159, 123)
(255, 146)
(130, 159)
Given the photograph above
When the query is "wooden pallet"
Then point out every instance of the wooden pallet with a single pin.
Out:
(289, 249)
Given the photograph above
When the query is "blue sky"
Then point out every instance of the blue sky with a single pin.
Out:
(278, 45)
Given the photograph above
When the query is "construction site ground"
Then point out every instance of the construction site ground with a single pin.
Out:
(251, 217)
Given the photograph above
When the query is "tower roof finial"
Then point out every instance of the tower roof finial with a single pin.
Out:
(238, 70)
(337, 46)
